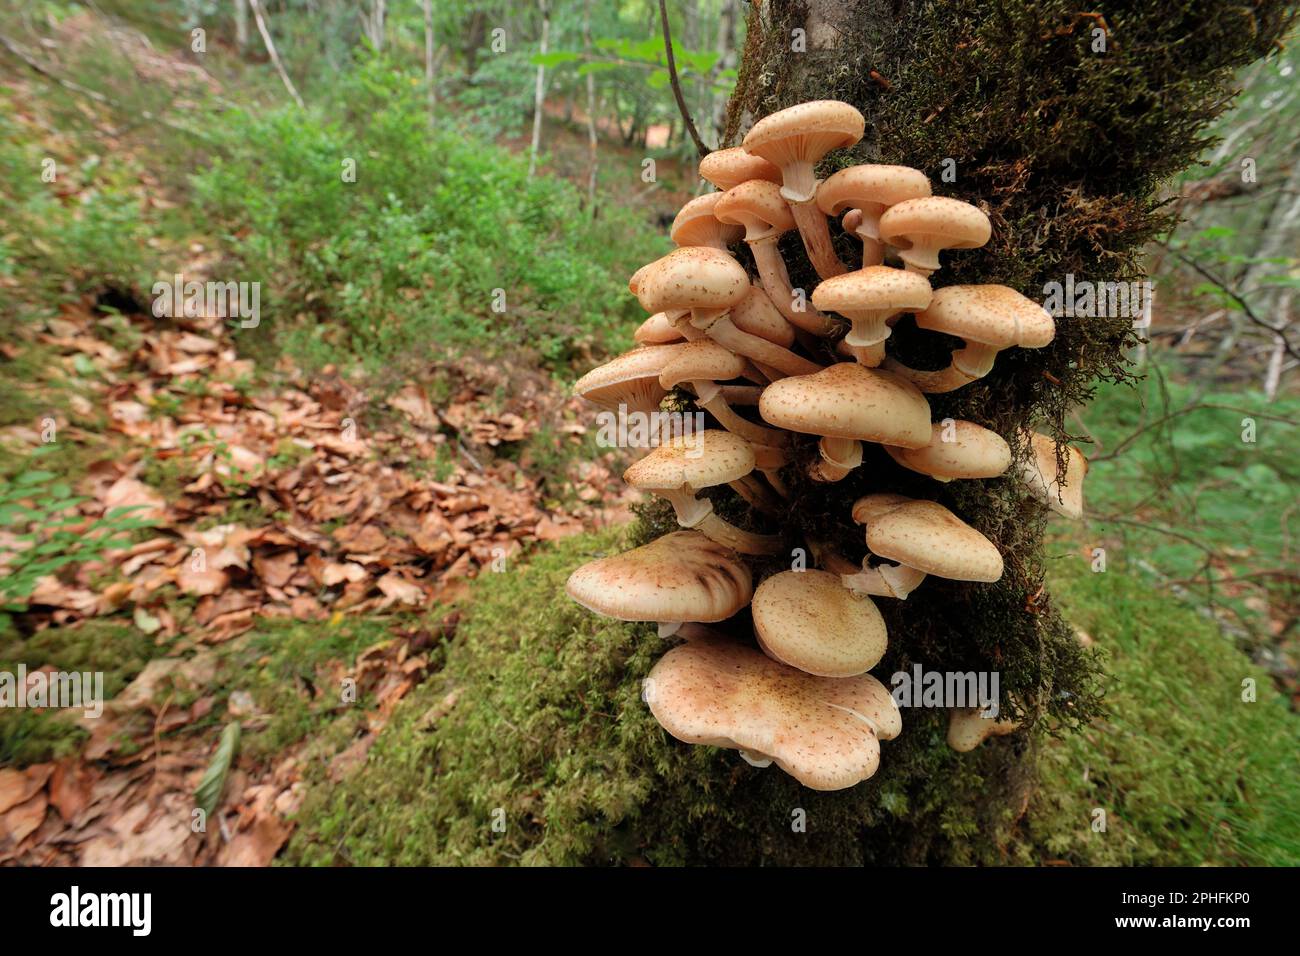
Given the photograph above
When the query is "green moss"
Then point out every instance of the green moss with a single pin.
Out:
(536, 721)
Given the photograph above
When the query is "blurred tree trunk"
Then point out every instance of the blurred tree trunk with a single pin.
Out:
(241, 25)
(593, 140)
(429, 78)
(539, 93)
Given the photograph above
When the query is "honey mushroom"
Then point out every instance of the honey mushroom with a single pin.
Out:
(757, 206)
(869, 298)
(1063, 493)
(847, 404)
(728, 168)
(695, 225)
(809, 620)
(869, 189)
(957, 449)
(988, 318)
(702, 365)
(794, 140)
(678, 469)
(920, 228)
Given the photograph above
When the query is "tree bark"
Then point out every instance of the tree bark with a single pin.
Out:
(539, 92)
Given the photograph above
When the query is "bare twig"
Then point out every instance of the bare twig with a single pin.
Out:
(275, 57)
(677, 88)
(1236, 297)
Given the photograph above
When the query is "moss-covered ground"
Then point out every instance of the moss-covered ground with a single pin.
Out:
(532, 746)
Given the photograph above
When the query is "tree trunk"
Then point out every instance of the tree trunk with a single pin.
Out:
(593, 140)
(430, 79)
(539, 92)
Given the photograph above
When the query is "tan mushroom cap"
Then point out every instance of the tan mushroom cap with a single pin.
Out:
(795, 139)
(700, 361)
(993, 315)
(973, 452)
(695, 224)
(871, 188)
(658, 329)
(927, 536)
(825, 732)
(1065, 497)
(953, 223)
(809, 620)
(631, 379)
(697, 460)
(873, 289)
(755, 204)
(728, 168)
(756, 315)
(968, 728)
(683, 576)
(693, 277)
(846, 400)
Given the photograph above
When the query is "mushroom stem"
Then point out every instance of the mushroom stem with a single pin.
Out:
(742, 394)
(774, 479)
(745, 542)
(692, 631)
(723, 331)
(968, 364)
(839, 456)
(770, 460)
(884, 580)
(921, 258)
(757, 495)
(817, 239)
(690, 509)
(775, 279)
(772, 374)
(866, 228)
(728, 419)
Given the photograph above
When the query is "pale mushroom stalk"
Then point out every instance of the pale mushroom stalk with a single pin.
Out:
(742, 394)
(839, 456)
(770, 459)
(816, 238)
(775, 279)
(884, 580)
(968, 365)
(752, 491)
(723, 331)
(866, 338)
(710, 398)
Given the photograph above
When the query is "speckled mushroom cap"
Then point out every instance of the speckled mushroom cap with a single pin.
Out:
(756, 315)
(756, 204)
(927, 536)
(683, 576)
(658, 329)
(809, 620)
(695, 224)
(993, 315)
(728, 168)
(1065, 497)
(972, 452)
(697, 460)
(693, 277)
(634, 282)
(873, 289)
(849, 401)
(825, 732)
(799, 137)
(632, 379)
(953, 223)
(700, 361)
(870, 188)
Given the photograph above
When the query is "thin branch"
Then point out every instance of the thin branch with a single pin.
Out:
(1236, 297)
(275, 57)
(677, 88)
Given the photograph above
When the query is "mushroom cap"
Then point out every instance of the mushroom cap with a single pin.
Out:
(728, 168)
(1064, 496)
(692, 277)
(953, 223)
(804, 133)
(703, 360)
(756, 315)
(825, 732)
(696, 460)
(634, 282)
(631, 379)
(683, 576)
(974, 452)
(993, 315)
(657, 330)
(809, 620)
(873, 288)
(870, 185)
(847, 400)
(695, 224)
(927, 536)
(758, 206)
(967, 728)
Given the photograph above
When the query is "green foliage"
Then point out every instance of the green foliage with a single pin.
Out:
(414, 258)
(208, 792)
(38, 511)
